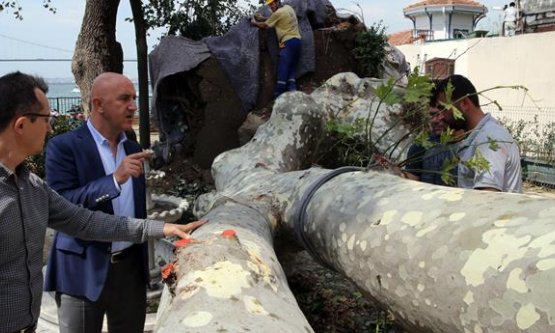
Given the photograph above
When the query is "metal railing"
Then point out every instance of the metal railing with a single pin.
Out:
(427, 35)
(540, 116)
(534, 130)
(532, 127)
(63, 104)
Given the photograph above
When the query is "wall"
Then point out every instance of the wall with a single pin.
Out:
(439, 25)
(499, 61)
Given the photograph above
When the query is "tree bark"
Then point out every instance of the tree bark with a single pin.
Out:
(142, 70)
(441, 259)
(96, 50)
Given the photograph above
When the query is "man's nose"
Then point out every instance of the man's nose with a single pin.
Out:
(133, 105)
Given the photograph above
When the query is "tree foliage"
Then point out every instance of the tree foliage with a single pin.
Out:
(353, 143)
(194, 19)
(17, 9)
(370, 50)
(63, 123)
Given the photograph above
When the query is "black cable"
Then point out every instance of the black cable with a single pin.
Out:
(299, 217)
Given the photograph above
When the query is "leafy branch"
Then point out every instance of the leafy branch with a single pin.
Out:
(194, 19)
(7, 5)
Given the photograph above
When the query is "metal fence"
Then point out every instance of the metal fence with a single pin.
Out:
(532, 127)
(63, 104)
(534, 130)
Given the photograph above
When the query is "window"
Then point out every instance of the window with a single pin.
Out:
(460, 33)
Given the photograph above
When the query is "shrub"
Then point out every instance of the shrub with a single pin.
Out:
(370, 50)
(62, 123)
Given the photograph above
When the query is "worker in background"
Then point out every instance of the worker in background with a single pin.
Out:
(284, 20)
(510, 20)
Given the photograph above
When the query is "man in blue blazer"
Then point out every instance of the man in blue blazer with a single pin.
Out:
(98, 167)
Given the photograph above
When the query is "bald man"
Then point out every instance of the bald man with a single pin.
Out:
(98, 167)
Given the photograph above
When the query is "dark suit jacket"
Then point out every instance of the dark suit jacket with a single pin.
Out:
(74, 169)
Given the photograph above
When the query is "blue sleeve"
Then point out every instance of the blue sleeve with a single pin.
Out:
(414, 159)
(65, 165)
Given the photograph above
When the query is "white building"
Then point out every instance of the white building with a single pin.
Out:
(514, 76)
(444, 19)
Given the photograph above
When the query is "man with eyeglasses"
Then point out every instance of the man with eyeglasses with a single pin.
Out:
(28, 205)
(49, 117)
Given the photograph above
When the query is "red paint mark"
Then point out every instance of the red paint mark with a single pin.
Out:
(229, 233)
(183, 242)
(167, 271)
(381, 160)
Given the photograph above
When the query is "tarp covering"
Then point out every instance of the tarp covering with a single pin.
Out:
(173, 55)
(237, 51)
(238, 54)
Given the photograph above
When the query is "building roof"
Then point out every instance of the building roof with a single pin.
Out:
(401, 38)
(426, 3)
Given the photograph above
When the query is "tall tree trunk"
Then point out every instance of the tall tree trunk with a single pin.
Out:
(96, 50)
(443, 260)
(142, 70)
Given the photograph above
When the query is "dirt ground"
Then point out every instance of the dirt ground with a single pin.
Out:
(530, 188)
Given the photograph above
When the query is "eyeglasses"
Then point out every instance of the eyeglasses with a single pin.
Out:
(51, 117)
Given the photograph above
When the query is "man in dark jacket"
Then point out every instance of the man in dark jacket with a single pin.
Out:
(98, 167)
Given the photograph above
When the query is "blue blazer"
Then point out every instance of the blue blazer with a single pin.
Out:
(74, 169)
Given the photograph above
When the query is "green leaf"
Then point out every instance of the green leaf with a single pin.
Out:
(447, 106)
(369, 50)
(449, 93)
(493, 144)
(457, 114)
(478, 162)
(448, 165)
(446, 136)
(423, 139)
(418, 89)
(346, 129)
(385, 93)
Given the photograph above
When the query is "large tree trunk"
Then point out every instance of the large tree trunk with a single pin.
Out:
(441, 259)
(142, 70)
(96, 50)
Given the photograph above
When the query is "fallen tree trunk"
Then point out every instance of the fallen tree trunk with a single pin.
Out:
(441, 259)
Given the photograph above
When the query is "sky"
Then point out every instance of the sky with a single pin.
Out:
(46, 35)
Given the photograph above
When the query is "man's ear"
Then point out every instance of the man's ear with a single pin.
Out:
(19, 123)
(465, 105)
(96, 104)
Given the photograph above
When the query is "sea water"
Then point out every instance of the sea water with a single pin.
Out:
(62, 88)
(63, 93)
